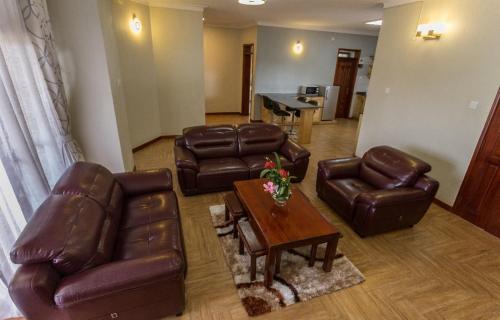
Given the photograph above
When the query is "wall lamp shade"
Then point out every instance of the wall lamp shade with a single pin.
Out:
(298, 47)
(431, 31)
(252, 2)
(135, 24)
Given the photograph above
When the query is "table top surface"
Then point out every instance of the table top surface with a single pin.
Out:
(298, 221)
(289, 100)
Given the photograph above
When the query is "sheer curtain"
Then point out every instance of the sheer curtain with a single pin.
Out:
(35, 141)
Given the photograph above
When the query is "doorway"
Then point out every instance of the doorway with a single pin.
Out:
(246, 87)
(478, 200)
(345, 77)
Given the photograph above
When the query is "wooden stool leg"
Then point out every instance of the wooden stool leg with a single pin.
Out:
(253, 267)
(242, 249)
(235, 230)
(312, 257)
(278, 262)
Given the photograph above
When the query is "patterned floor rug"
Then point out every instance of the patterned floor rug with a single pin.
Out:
(296, 282)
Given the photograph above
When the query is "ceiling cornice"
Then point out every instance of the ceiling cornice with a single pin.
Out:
(394, 3)
(162, 4)
(348, 31)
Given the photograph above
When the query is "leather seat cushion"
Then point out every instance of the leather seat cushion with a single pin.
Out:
(148, 239)
(221, 172)
(256, 163)
(150, 208)
(342, 194)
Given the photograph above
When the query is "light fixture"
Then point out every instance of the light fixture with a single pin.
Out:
(252, 2)
(431, 31)
(135, 24)
(374, 23)
(298, 47)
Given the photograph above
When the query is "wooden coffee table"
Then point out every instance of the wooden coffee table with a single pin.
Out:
(297, 224)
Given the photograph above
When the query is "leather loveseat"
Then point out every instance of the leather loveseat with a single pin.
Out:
(385, 190)
(102, 246)
(211, 158)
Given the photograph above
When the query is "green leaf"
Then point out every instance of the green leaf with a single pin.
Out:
(278, 160)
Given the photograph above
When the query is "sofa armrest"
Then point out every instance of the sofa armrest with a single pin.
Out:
(141, 182)
(427, 184)
(115, 277)
(294, 151)
(383, 198)
(32, 289)
(185, 159)
(339, 168)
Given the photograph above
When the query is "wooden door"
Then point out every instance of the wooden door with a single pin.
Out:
(345, 78)
(246, 88)
(479, 198)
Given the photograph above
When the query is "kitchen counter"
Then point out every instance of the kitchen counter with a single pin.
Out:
(289, 100)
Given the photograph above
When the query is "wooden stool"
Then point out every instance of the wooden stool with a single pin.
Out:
(234, 210)
(254, 247)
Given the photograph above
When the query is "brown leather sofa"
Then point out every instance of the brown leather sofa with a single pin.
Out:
(211, 158)
(102, 246)
(385, 190)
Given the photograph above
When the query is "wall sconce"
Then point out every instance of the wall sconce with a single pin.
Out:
(431, 31)
(298, 48)
(135, 24)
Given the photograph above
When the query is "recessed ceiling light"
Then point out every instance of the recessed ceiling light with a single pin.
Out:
(375, 23)
(252, 2)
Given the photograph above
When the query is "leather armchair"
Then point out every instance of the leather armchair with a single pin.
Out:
(385, 190)
(102, 246)
(210, 159)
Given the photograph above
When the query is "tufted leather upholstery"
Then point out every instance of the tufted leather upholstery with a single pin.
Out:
(100, 246)
(210, 159)
(385, 190)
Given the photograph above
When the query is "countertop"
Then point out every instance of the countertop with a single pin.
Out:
(289, 100)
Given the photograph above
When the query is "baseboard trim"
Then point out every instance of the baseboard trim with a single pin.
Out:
(256, 121)
(443, 205)
(146, 144)
(222, 113)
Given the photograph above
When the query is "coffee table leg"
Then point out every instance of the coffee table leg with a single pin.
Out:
(269, 268)
(331, 250)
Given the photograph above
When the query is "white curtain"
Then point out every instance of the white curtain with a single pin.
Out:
(35, 134)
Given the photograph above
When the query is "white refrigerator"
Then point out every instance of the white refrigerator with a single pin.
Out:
(331, 95)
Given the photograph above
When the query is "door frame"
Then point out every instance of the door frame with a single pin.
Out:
(460, 204)
(357, 56)
(247, 79)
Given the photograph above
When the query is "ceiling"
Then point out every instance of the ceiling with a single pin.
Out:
(329, 15)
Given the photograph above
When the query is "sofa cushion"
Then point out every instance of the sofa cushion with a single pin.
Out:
(208, 142)
(221, 172)
(256, 163)
(66, 231)
(342, 194)
(258, 138)
(389, 168)
(88, 179)
(149, 208)
(148, 239)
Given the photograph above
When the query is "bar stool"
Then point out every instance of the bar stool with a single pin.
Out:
(254, 247)
(277, 111)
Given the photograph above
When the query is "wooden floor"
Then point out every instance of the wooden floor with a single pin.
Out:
(443, 268)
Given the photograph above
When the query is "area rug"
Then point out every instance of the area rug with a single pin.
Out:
(296, 282)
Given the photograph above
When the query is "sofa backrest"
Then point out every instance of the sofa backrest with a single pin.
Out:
(211, 141)
(389, 168)
(259, 138)
(76, 226)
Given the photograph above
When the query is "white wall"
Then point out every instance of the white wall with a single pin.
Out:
(223, 69)
(90, 82)
(178, 55)
(138, 71)
(431, 84)
(280, 70)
